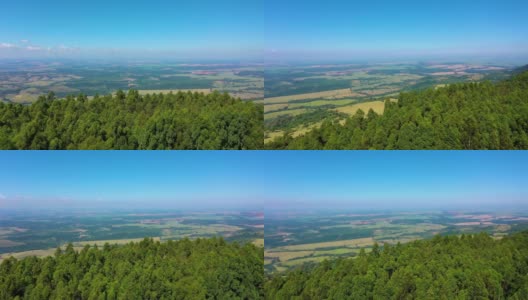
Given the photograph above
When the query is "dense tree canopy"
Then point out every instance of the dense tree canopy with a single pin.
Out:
(183, 120)
(459, 116)
(185, 269)
(445, 267)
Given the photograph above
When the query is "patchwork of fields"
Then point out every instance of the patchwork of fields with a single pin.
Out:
(312, 237)
(24, 82)
(294, 92)
(25, 234)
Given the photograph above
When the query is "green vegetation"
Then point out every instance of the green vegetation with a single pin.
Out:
(183, 120)
(185, 269)
(23, 234)
(459, 116)
(444, 267)
(309, 237)
(297, 90)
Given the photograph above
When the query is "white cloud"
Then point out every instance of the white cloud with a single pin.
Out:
(24, 41)
(33, 48)
(7, 45)
(3, 197)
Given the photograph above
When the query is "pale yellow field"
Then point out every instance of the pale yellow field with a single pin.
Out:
(344, 243)
(273, 135)
(333, 94)
(258, 242)
(376, 106)
(298, 131)
(19, 255)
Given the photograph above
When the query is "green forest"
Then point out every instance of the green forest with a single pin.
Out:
(444, 267)
(460, 116)
(181, 120)
(184, 269)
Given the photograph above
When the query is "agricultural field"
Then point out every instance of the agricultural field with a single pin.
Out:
(294, 239)
(293, 92)
(25, 81)
(23, 234)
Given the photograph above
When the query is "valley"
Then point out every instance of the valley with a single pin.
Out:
(39, 234)
(295, 93)
(25, 81)
(294, 239)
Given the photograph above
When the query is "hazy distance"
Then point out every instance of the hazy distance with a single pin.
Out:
(72, 180)
(396, 180)
(383, 30)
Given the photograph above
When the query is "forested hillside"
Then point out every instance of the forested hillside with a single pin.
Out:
(185, 269)
(459, 116)
(183, 120)
(445, 267)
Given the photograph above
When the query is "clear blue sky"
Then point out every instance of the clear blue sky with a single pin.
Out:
(396, 180)
(381, 28)
(265, 179)
(230, 28)
(128, 179)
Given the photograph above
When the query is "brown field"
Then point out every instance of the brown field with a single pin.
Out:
(8, 243)
(333, 94)
(472, 223)
(275, 107)
(344, 243)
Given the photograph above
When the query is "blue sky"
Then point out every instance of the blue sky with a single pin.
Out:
(265, 179)
(397, 180)
(271, 29)
(386, 29)
(201, 28)
(128, 179)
